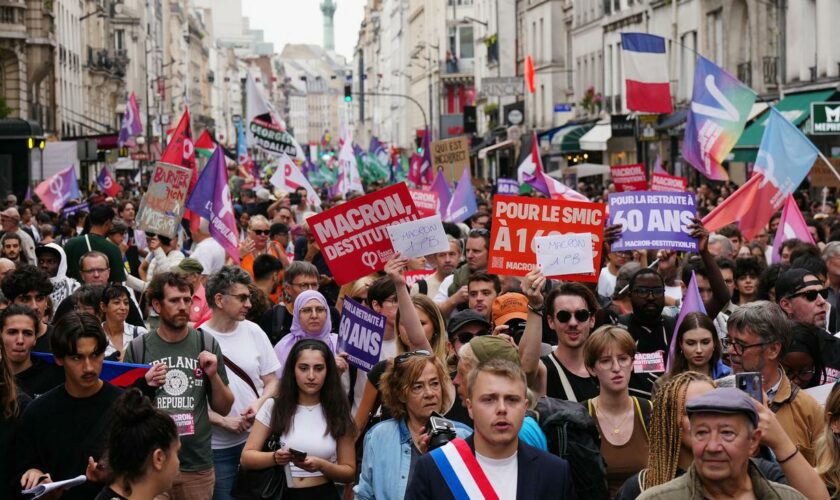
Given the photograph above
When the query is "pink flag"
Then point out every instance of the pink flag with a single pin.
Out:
(792, 225)
(131, 126)
(444, 194)
(692, 302)
(545, 183)
(58, 189)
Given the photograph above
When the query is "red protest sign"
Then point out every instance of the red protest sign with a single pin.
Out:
(425, 201)
(665, 182)
(352, 236)
(629, 177)
(518, 220)
(412, 277)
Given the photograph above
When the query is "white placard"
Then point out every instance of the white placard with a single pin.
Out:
(420, 237)
(564, 254)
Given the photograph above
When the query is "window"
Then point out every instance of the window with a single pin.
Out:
(541, 44)
(714, 35)
(119, 40)
(7, 15)
(465, 42)
(688, 43)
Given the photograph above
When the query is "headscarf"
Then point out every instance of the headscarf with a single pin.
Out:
(297, 332)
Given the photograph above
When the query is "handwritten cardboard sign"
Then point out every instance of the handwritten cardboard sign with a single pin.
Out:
(162, 207)
(653, 220)
(564, 254)
(518, 220)
(419, 238)
(426, 201)
(665, 182)
(360, 334)
(352, 236)
(452, 155)
(629, 177)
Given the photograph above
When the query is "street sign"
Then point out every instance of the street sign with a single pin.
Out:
(503, 86)
(562, 107)
(825, 118)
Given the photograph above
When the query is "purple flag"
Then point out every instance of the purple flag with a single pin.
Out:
(56, 191)
(441, 187)
(692, 302)
(211, 200)
(463, 204)
(657, 165)
(131, 126)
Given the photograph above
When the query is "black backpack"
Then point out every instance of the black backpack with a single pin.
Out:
(573, 436)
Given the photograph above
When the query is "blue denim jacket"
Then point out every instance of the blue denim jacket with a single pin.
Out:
(385, 466)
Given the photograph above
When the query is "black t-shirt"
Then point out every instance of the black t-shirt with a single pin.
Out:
(59, 432)
(652, 348)
(108, 494)
(43, 343)
(39, 378)
(583, 387)
(9, 480)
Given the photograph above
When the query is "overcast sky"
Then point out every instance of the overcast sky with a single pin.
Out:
(300, 21)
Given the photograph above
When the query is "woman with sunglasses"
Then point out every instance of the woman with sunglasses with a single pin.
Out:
(114, 307)
(622, 420)
(698, 348)
(257, 243)
(311, 320)
(414, 386)
(311, 417)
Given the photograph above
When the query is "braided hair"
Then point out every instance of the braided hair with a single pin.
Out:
(666, 428)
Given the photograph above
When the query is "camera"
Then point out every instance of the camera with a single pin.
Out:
(440, 431)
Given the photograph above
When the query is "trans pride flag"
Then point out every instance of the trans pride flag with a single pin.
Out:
(719, 110)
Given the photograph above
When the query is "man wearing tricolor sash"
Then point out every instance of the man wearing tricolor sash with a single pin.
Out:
(492, 464)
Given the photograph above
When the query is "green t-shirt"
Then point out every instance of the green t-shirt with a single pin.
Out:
(78, 246)
(184, 396)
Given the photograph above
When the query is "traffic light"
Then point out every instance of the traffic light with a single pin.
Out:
(348, 93)
(418, 141)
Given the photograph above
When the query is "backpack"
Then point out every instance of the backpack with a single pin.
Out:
(572, 435)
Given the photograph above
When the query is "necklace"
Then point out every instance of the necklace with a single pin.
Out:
(616, 429)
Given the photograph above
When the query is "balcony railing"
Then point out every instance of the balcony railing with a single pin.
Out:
(458, 67)
(770, 70)
(745, 73)
(102, 60)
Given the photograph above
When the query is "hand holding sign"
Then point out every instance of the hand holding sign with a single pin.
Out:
(394, 269)
(418, 238)
(565, 254)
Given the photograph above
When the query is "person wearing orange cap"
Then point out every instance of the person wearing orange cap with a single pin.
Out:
(510, 313)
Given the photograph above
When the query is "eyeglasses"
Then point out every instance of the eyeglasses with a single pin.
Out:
(392, 298)
(580, 315)
(313, 310)
(306, 286)
(645, 291)
(243, 297)
(803, 374)
(811, 295)
(96, 270)
(738, 347)
(623, 361)
(474, 233)
(402, 358)
(261, 232)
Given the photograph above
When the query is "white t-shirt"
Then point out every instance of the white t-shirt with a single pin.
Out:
(308, 433)
(443, 291)
(211, 255)
(249, 348)
(502, 474)
(606, 282)
(130, 332)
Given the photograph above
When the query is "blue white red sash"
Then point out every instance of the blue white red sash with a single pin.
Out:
(461, 471)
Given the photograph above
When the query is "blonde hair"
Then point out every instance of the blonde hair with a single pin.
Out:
(439, 338)
(828, 447)
(396, 382)
(257, 219)
(604, 338)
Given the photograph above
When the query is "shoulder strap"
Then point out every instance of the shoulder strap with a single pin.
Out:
(776, 406)
(241, 374)
(644, 410)
(87, 240)
(641, 479)
(589, 408)
(137, 347)
(564, 381)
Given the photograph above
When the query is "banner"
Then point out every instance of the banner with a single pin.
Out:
(507, 186)
(653, 220)
(352, 236)
(162, 207)
(360, 334)
(629, 177)
(665, 182)
(265, 128)
(518, 220)
(425, 201)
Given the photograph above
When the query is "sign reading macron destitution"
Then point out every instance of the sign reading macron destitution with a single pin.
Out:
(353, 236)
(518, 220)
(629, 177)
(653, 220)
(360, 334)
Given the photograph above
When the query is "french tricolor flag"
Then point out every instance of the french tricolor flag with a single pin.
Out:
(646, 73)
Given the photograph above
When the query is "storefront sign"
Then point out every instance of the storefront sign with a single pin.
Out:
(825, 118)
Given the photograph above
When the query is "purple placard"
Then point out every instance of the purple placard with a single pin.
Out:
(653, 219)
(360, 334)
(507, 186)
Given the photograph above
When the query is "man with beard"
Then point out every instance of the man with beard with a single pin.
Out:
(571, 310)
(445, 264)
(482, 290)
(196, 379)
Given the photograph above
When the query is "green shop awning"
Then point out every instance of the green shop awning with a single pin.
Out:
(795, 107)
(567, 140)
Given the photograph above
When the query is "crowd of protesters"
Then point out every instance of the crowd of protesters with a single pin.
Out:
(247, 374)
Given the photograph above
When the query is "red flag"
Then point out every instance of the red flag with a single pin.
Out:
(107, 183)
(745, 206)
(181, 151)
(529, 74)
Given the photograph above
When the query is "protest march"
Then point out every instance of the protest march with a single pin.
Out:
(263, 318)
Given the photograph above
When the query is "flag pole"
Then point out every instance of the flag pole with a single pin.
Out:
(833, 170)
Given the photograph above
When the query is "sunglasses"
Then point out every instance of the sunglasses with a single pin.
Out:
(644, 291)
(151, 235)
(581, 315)
(402, 358)
(263, 232)
(811, 295)
(478, 232)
